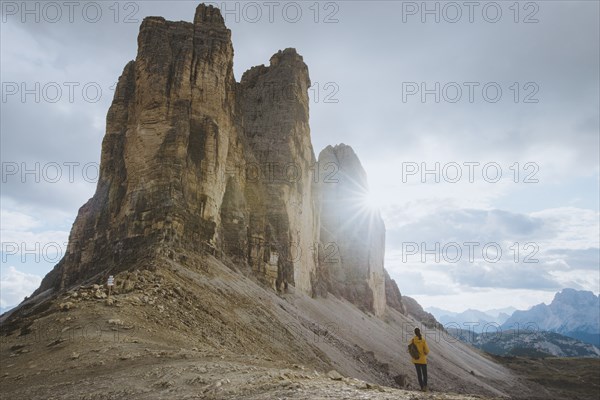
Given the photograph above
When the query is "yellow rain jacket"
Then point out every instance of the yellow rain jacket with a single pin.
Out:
(423, 350)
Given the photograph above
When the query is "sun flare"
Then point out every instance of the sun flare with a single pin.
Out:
(372, 201)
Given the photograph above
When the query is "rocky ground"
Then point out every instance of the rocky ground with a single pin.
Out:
(198, 329)
(137, 372)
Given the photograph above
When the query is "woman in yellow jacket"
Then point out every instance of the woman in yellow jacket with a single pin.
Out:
(421, 362)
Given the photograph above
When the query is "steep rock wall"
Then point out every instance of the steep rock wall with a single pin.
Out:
(354, 228)
(274, 106)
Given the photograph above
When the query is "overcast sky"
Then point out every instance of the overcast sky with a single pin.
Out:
(502, 99)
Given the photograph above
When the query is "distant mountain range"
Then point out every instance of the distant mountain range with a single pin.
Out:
(527, 343)
(473, 320)
(572, 313)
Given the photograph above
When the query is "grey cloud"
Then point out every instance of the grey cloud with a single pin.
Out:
(587, 259)
(537, 264)
(507, 276)
(416, 282)
(468, 225)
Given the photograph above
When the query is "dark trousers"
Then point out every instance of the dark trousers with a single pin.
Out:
(422, 374)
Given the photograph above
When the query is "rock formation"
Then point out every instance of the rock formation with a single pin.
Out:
(414, 309)
(274, 108)
(356, 230)
(393, 298)
(192, 159)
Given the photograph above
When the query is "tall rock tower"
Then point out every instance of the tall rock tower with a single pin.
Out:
(354, 228)
(274, 103)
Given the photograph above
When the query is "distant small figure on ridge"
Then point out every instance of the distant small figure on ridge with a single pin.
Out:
(418, 350)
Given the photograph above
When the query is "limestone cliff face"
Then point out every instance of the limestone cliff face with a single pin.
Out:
(274, 106)
(192, 159)
(393, 298)
(357, 230)
(169, 134)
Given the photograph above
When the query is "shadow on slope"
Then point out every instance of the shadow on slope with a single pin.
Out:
(192, 306)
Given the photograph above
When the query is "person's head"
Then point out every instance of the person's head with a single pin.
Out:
(418, 333)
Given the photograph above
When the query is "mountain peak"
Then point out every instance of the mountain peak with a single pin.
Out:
(572, 313)
(573, 296)
(360, 278)
(350, 168)
(208, 15)
(287, 55)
